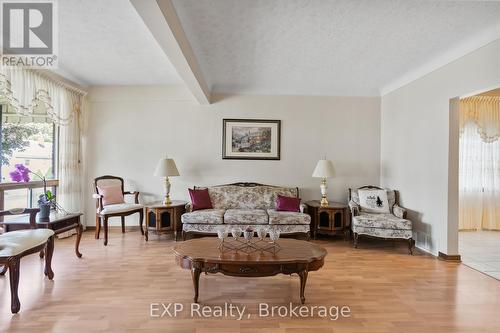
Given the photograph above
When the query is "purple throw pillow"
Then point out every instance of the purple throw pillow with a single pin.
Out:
(287, 204)
(200, 199)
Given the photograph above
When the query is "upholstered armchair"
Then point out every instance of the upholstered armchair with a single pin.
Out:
(19, 243)
(109, 195)
(372, 219)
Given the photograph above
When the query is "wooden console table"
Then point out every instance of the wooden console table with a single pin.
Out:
(333, 219)
(58, 222)
(163, 219)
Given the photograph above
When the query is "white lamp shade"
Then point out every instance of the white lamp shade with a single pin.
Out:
(324, 169)
(166, 168)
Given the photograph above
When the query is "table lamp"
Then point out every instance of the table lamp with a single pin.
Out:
(166, 168)
(324, 170)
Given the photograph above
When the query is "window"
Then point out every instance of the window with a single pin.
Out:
(30, 141)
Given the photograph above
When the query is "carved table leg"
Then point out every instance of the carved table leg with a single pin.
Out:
(4, 270)
(14, 263)
(195, 273)
(79, 232)
(356, 240)
(48, 258)
(41, 254)
(303, 280)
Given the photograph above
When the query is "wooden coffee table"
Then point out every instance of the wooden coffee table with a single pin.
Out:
(296, 256)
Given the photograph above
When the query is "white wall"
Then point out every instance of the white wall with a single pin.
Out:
(415, 131)
(130, 128)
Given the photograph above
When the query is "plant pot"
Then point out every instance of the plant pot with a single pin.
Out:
(44, 211)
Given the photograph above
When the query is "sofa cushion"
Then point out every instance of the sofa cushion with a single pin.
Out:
(383, 233)
(212, 228)
(16, 242)
(382, 221)
(120, 208)
(204, 216)
(248, 197)
(279, 217)
(246, 216)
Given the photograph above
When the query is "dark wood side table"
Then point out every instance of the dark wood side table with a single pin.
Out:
(58, 222)
(163, 219)
(333, 219)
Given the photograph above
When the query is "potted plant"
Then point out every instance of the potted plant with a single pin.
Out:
(46, 200)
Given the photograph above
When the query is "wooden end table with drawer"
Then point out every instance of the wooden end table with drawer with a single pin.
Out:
(164, 219)
(333, 219)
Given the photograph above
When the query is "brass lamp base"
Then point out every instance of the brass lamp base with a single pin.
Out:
(167, 200)
(324, 202)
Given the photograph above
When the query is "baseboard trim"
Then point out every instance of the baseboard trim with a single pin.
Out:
(449, 257)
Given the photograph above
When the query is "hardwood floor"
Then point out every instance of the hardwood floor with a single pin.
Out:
(111, 288)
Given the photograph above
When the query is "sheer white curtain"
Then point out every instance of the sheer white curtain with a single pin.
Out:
(479, 197)
(29, 92)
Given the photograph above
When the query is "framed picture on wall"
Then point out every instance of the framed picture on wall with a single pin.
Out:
(251, 139)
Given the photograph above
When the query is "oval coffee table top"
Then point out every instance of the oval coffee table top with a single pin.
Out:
(291, 251)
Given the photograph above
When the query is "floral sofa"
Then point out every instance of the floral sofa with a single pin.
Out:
(246, 204)
(391, 225)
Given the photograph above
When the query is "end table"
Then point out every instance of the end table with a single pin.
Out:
(333, 219)
(163, 219)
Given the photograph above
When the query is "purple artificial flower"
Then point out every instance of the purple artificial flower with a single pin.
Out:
(20, 174)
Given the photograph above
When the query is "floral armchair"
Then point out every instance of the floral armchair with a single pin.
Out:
(391, 224)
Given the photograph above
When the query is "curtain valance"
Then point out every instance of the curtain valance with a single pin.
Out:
(30, 96)
(485, 112)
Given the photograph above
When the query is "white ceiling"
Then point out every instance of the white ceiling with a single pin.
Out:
(303, 47)
(105, 42)
(320, 47)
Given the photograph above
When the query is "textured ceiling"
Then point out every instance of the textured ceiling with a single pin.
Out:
(319, 47)
(105, 42)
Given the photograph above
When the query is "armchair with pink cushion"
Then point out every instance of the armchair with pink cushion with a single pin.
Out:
(110, 202)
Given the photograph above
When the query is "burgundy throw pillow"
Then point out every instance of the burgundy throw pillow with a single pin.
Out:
(287, 204)
(200, 199)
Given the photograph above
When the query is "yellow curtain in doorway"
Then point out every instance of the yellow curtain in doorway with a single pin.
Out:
(479, 183)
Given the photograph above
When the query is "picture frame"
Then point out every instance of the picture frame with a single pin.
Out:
(251, 139)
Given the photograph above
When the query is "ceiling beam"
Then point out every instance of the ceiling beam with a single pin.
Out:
(161, 19)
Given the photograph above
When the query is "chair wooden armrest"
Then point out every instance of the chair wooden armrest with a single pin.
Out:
(399, 211)
(135, 194)
(354, 207)
(98, 198)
